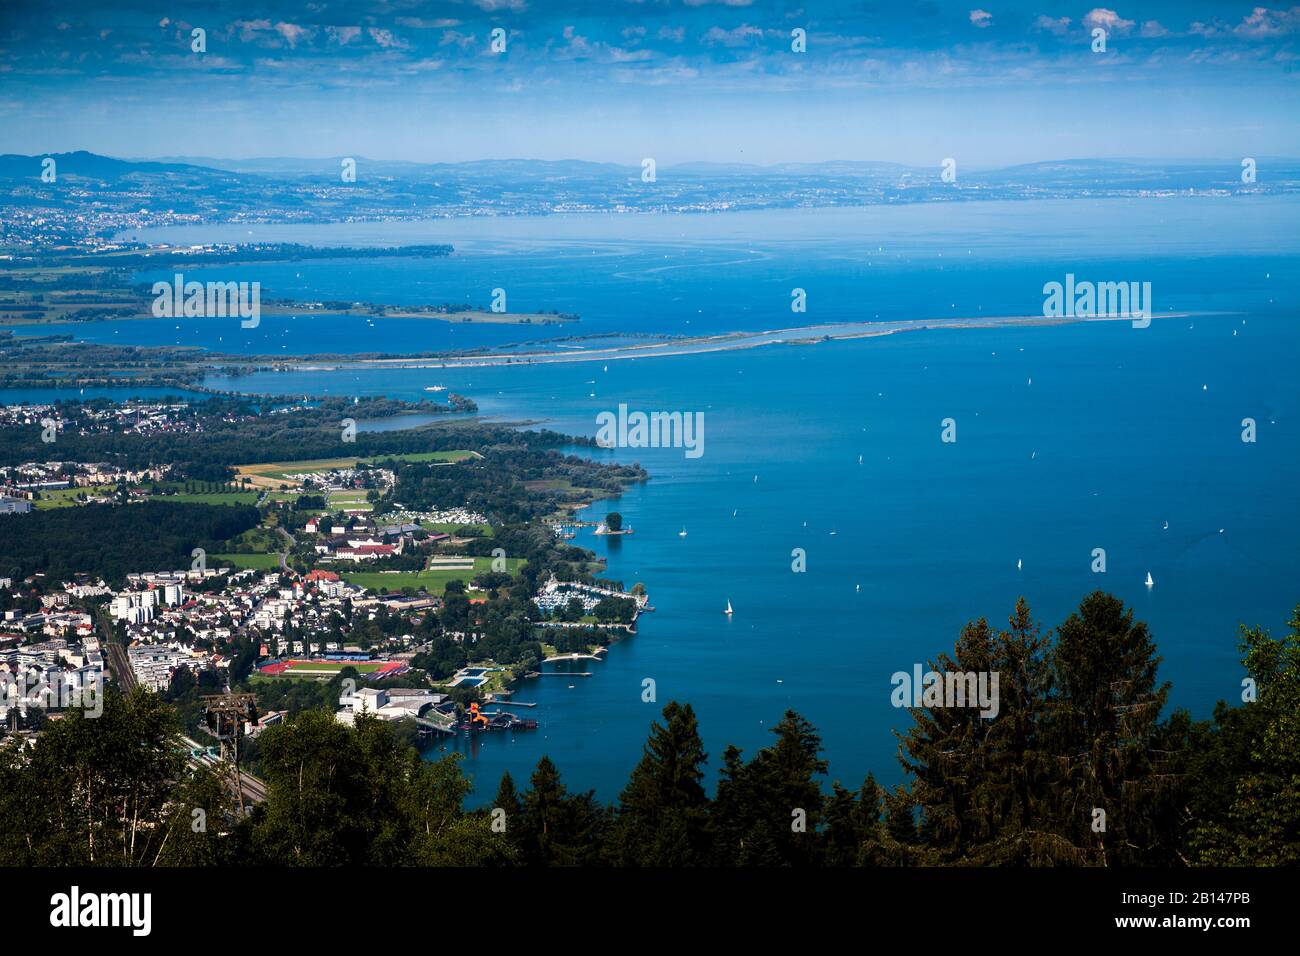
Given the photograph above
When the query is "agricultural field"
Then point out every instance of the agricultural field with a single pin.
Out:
(214, 497)
(272, 474)
(194, 494)
(450, 527)
(433, 580)
(68, 497)
(259, 562)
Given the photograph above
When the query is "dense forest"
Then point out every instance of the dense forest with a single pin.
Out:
(110, 541)
(1080, 729)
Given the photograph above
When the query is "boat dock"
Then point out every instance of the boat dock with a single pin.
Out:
(555, 674)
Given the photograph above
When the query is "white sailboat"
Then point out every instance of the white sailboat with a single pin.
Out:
(1150, 583)
(728, 611)
(1017, 564)
(682, 533)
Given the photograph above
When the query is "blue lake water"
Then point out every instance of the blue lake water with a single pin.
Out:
(700, 274)
(1115, 436)
(1068, 439)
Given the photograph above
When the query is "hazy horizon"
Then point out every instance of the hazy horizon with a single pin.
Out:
(677, 80)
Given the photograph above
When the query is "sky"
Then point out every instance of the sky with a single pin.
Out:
(677, 80)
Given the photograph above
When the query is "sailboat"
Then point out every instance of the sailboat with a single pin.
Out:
(682, 533)
(1150, 583)
(1017, 564)
(728, 611)
(1166, 525)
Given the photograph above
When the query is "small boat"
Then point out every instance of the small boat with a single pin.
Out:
(435, 388)
(1150, 583)
(682, 533)
(859, 459)
(1017, 564)
(728, 611)
(1166, 525)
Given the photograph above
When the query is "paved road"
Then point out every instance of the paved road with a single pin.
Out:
(284, 555)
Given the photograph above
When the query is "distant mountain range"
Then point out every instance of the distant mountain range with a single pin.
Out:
(1151, 173)
(130, 194)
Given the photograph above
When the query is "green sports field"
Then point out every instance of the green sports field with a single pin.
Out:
(333, 667)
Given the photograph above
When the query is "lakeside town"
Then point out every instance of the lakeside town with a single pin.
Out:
(322, 575)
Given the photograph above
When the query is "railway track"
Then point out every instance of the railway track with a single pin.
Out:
(120, 666)
(254, 789)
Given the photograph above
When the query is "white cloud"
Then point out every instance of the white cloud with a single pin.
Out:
(1108, 20)
(1152, 28)
(250, 30)
(619, 55)
(735, 37)
(343, 35)
(456, 38)
(418, 23)
(1263, 22)
(385, 38)
(1058, 26)
(292, 33)
(981, 18)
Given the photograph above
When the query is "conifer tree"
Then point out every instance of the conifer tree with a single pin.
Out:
(1105, 724)
(662, 813)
